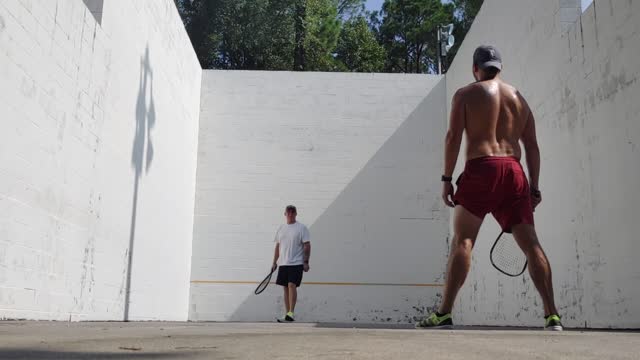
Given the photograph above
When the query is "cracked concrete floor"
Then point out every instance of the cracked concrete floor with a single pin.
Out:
(59, 340)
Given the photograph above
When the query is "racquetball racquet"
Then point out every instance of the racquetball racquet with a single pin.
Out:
(263, 285)
(507, 257)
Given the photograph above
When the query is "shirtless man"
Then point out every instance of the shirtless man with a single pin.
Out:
(496, 118)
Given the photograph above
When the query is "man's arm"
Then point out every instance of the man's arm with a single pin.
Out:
(306, 243)
(452, 144)
(530, 142)
(454, 134)
(307, 252)
(276, 255)
(307, 255)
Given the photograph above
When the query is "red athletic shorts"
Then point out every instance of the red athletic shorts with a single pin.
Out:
(496, 185)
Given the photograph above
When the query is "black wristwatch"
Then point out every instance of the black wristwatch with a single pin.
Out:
(535, 192)
(446, 178)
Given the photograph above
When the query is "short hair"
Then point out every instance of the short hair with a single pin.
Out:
(291, 208)
(491, 71)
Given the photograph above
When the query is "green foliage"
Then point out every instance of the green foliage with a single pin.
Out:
(240, 34)
(322, 28)
(202, 23)
(322, 35)
(408, 33)
(350, 8)
(358, 50)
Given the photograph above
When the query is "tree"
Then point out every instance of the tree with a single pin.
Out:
(350, 8)
(300, 16)
(358, 49)
(264, 34)
(200, 19)
(466, 11)
(408, 33)
(240, 34)
(322, 28)
(255, 34)
(321, 35)
(464, 14)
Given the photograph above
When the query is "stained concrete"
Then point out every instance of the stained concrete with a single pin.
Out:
(49, 340)
(98, 149)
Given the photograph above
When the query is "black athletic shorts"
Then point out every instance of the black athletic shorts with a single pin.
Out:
(290, 274)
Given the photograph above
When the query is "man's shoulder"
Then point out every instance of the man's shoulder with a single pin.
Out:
(482, 89)
(468, 91)
(302, 228)
(472, 88)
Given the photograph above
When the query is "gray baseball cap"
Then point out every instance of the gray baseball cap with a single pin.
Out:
(487, 56)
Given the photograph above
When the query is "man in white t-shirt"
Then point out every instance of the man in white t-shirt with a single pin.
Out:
(293, 248)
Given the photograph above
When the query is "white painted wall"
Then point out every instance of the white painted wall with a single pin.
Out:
(583, 88)
(98, 121)
(359, 154)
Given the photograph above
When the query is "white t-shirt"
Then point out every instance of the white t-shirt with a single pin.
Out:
(291, 238)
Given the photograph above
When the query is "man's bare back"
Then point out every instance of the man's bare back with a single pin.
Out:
(496, 116)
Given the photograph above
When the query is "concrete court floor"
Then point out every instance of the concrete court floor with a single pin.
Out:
(60, 340)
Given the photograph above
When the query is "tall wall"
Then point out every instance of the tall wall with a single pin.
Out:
(359, 154)
(99, 117)
(583, 88)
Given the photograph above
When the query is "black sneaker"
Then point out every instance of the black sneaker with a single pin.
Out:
(553, 323)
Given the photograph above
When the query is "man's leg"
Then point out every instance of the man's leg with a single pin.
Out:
(293, 296)
(539, 267)
(466, 227)
(286, 299)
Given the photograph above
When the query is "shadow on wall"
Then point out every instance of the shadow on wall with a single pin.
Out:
(388, 225)
(141, 155)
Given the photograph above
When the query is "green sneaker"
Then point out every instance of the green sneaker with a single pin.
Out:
(552, 323)
(287, 318)
(434, 321)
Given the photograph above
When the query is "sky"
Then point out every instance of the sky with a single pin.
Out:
(374, 4)
(377, 4)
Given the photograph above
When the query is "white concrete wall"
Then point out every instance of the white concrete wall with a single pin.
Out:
(97, 150)
(359, 154)
(583, 88)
